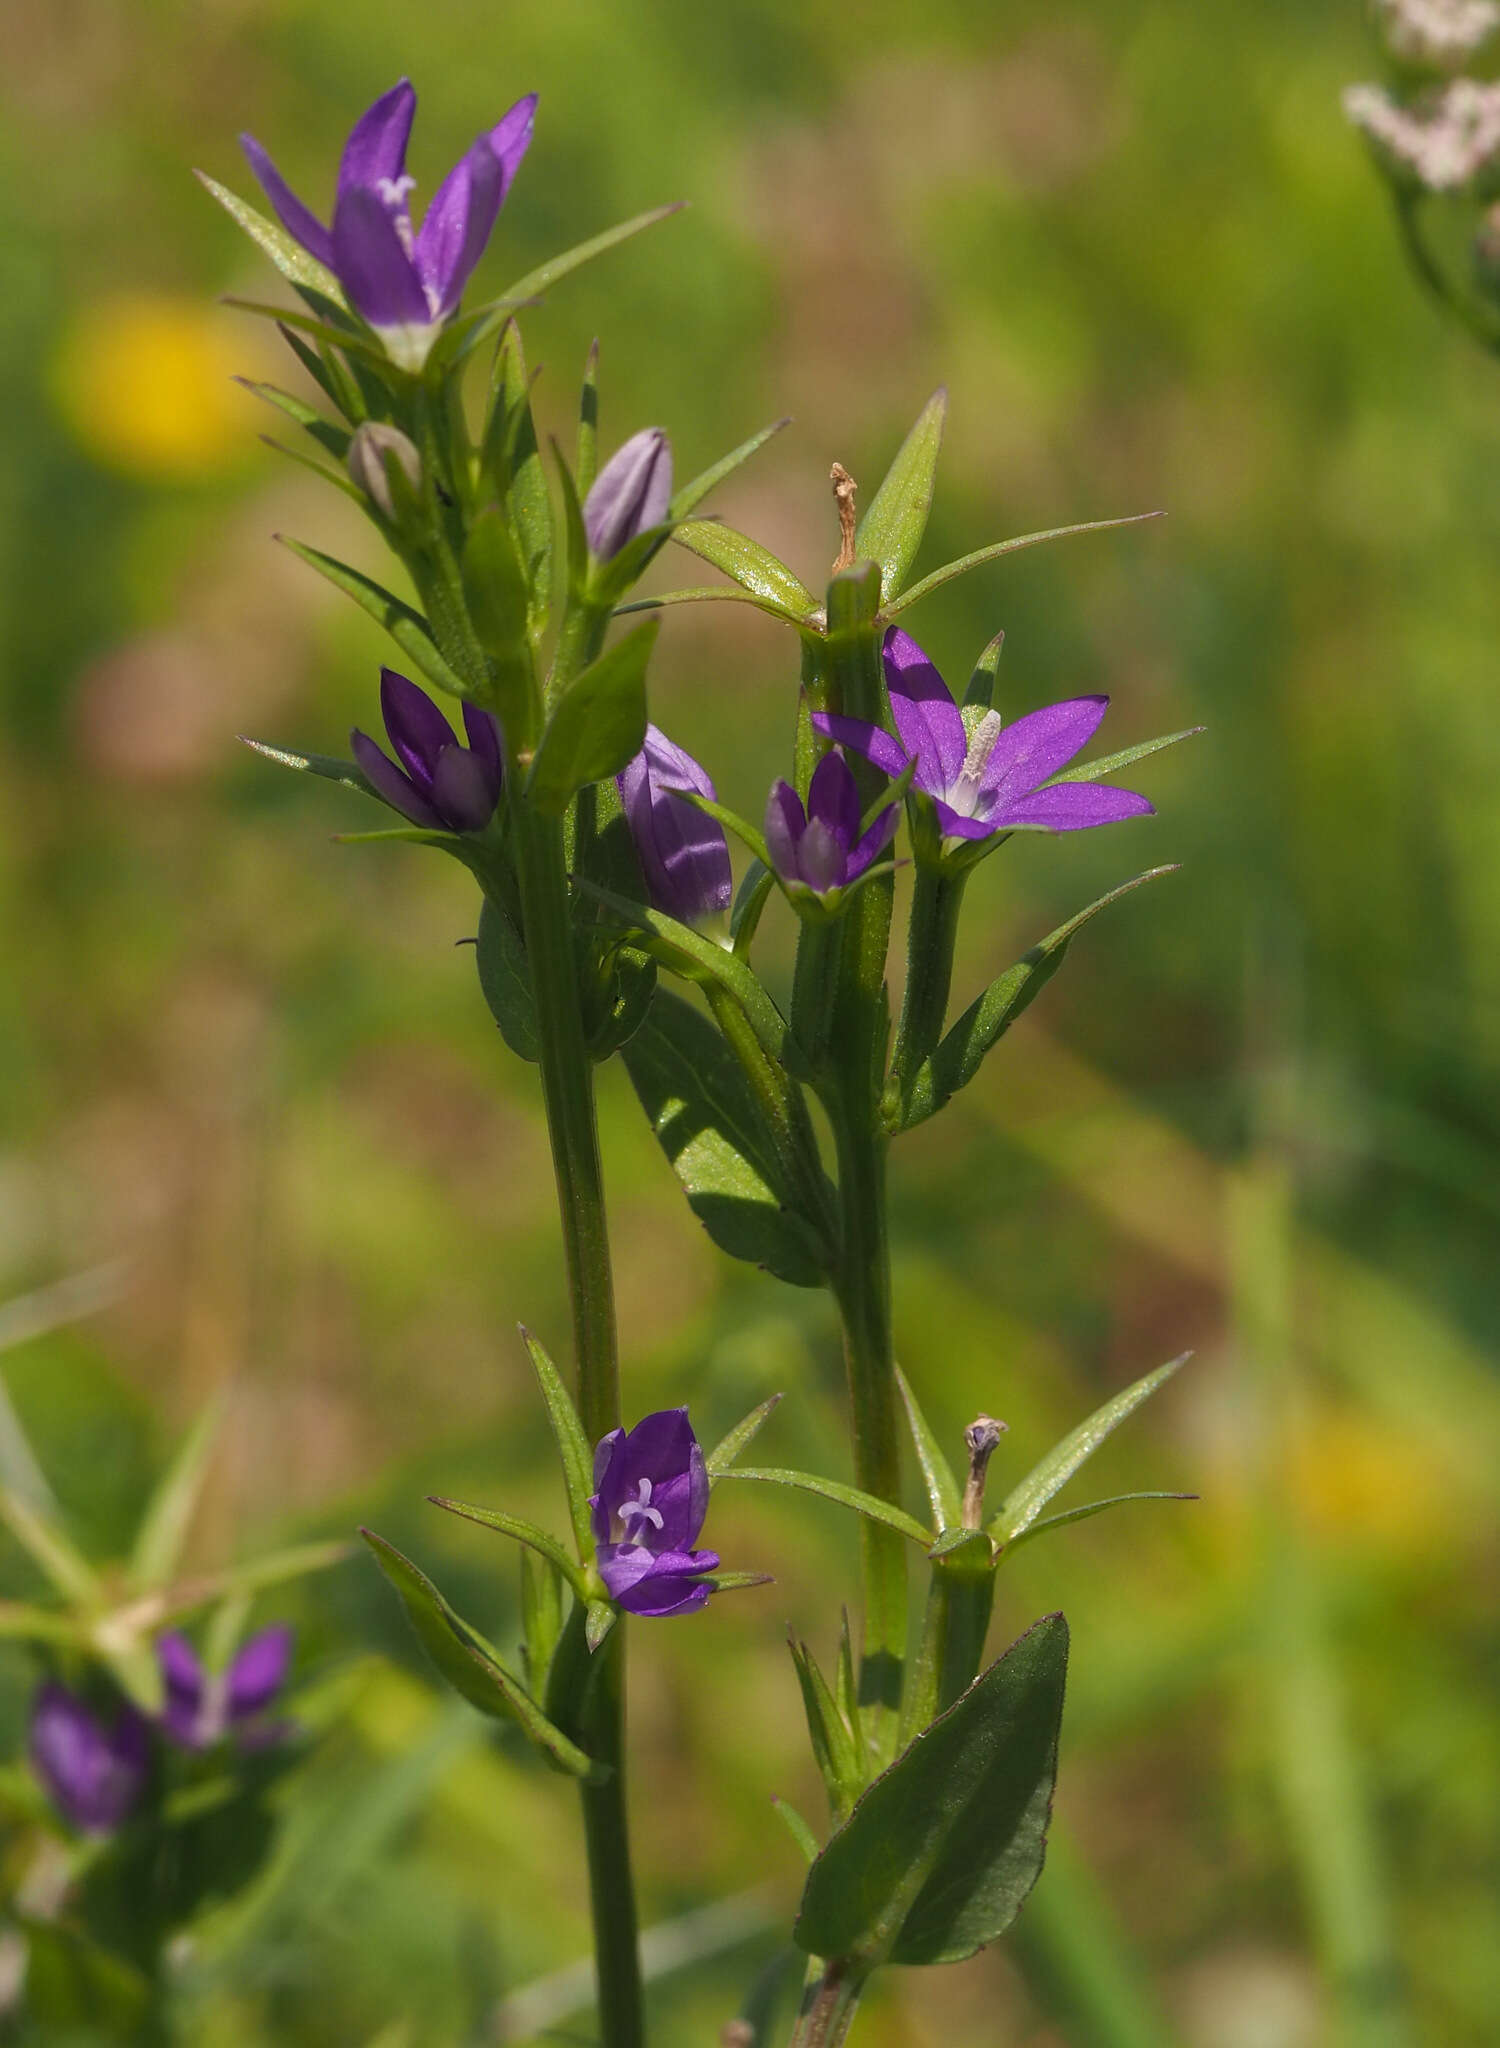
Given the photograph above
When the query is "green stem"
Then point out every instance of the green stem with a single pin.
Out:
(606, 1830)
(828, 2009)
(931, 939)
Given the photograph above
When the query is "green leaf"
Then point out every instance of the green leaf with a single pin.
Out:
(748, 835)
(22, 1623)
(1025, 1502)
(836, 1749)
(846, 1496)
(737, 1582)
(713, 593)
(599, 1619)
(573, 1447)
(707, 1121)
(334, 439)
(518, 465)
(164, 1526)
(750, 899)
(795, 1826)
(522, 1532)
(961, 1054)
(356, 342)
(407, 628)
(1090, 771)
(540, 280)
(505, 979)
(998, 548)
(471, 1667)
(289, 256)
(339, 479)
(707, 480)
(981, 690)
(1093, 1507)
(895, 519)
(497, 596)
(276, 1568)
(845, 1674)
(728, 1448)
(597, 725)
(937, 1474)
(541, 1619)
(753, 567)
(938, 1856)
(51, 1549)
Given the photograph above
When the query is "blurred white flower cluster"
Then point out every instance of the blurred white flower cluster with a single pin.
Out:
(1443, 141)
(1436, 35)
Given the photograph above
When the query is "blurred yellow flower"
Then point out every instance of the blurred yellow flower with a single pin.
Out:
(143, 381)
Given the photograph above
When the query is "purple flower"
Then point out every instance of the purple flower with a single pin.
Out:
(988, 780)
(202, 1708)
(441, 783)
(94, 1774)
(683, 853)
(820, 849)
(630, 494)
(405, 283)
(650, 1496)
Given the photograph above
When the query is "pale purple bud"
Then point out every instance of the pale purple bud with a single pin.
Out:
(373, 442)
(630, 494)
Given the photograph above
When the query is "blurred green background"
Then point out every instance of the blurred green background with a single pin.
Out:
(1256, 1114)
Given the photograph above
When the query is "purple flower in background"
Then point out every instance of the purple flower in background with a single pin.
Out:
(630, 494)
(94, 1772)
(440, 784)
(405, 283)
(202, 1707)
(683, 853)
(988, 780)
(820, 849)
(650, 1497)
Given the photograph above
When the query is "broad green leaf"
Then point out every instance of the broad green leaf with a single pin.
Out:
(707, 1121)
(1090, 771)
(164, 1526)
(573, 1447)
(289, 256)
(692, 494)
(998, 548)
(795, 1826)
(521, 1531)
(836, 1749)
(505, 980)
(937, 1474)
(334, 439)
(938, 1855)
(51, 1549)
(407, 628)
(536, 282)
(895, 519)
(846, 1496)
(597, 725)
(1093, 1507)
(1025, 1502)
(471, 1667)
(728, 1448)
(960, 1055)
(753, 567)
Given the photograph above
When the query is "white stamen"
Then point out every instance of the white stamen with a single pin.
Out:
(639, 1510)
(964, 793)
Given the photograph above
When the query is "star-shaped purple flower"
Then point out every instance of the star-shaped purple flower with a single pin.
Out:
(94, 1771)
(819, 850)
(440, 784)
(650, 1497)
(990, 779)
(405, 283)
(683, 853)
(202, 1707)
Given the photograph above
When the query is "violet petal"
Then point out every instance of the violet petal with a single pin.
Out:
(875, 841)
(1074, 807)
(299, 221)
(416, 728)
(457, 225)
(258, 1672)
(374, 269)
(386, 779)
(925, 714)
(873, 741)
(1038, 745)
(461, 790)
(510, 138)
(376, 149)
(833, 797)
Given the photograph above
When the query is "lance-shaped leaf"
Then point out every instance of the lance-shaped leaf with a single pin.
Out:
(753, 567)
(981, 689)
(1025, 1501)
(498, 597)
(728, 1448)
(691, 494)
(527, 499)
(1089, 1509)
(708, 1123)
(532, 286)
(597, 725)
(461, 1656)
(1090, 771)
(505, 981)
(837, 1750)
(406, 627)
(999, 548)
(541, 1619)
(938, 1856)
(520, 1531)
(711, 593)
(937, 1474)
(959, 1057)
(289, 256)
(327, 766)
(164, 1526)
(890, 533)
(572, 1445)
(50, 1548)
(795, 1826)
(358, 343)
(333, 439)
(834, 1489)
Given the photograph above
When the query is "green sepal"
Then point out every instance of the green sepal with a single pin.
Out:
(573, 1446)
(938, 1855)
(748, 835)
(795, 1826)
(997, 549)
(834, 1489)
(962, 1051)
(1090, 771)
(498, 599)
(1026, 1500)
(505, 981)
(541, 1618)
(846, 1674)
(471, 1666)
(331, 374)
(1088, 1510)
(597, 725)
(513, 461)
(980, 694)
(578, 559)
(163, 1528)
(729, 1446)
(693, 493)
(753, 567)
(608, 581)
(520, 1531)
(835, 1745)
(406, 627)
(750, 900)
(599, 1619)
(890, 533)
(294, 262)
(966, 1554)
(736, 1582)
(586, 457)
(938, 1477)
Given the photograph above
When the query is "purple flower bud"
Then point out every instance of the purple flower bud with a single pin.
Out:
(202, 1707)
(373, 441)
(440, 784)
(94, 1774)
(630, 494)
(820, 849)
(406, 283)
(650, 1496)
(683, 853)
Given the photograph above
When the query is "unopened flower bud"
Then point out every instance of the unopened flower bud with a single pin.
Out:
(630, 494)
(980, 1439)
(373, 442)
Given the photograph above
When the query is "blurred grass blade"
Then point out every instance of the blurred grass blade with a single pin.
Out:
(997, 549)
(937, 1474)
(890, 533)
(521, 1532)
(692, 494)
(835, 1490)
(728, 1448)
(44, 1539)
(169, 1512)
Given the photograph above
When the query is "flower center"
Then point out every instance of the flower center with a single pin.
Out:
(637, 1516)
(965, 793)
